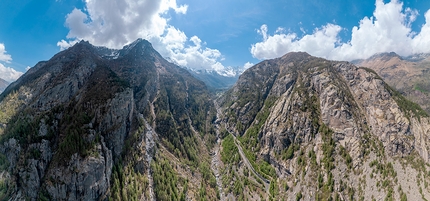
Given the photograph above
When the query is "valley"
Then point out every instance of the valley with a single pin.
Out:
(86, 126)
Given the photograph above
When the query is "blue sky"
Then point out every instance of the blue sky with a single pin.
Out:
(213, 34)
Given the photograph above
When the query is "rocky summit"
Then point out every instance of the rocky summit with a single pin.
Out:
(94, 123)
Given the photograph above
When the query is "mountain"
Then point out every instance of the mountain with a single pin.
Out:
(215, 80)
(409, 75)
(94, 123)
(305, 128)
(99, 124)
(3, 85)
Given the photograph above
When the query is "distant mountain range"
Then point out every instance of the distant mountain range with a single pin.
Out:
(3, 85)
(215, 80)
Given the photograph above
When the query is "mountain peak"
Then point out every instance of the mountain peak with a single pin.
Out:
(295, 56)
(417, 57)
(139, 47)
(138, 43)
(81, 45)
(385, 56)
(84, 42)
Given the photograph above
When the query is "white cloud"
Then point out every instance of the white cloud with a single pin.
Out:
(66, 44)
(7, 73)
(3, 56)
(421, 42)
(166, 5)
(114, 24)
(320, 43)
(263, 31)
(248, 65)
(194, 56)
(389, 29)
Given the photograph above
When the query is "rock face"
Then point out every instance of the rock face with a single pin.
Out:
(315, 118)
(72, 127)
(408, 75)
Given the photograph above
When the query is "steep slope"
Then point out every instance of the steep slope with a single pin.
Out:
(94, 124)
(408, 75)
(3, 85)
(314, 129)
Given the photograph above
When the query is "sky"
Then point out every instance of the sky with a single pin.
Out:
(213, 35)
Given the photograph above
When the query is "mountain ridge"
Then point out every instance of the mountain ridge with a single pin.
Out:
(99, 124)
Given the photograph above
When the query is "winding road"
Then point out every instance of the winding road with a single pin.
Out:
(246, 161)
(241, 153)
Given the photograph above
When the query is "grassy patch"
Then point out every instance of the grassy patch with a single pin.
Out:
(4, 189)
(345, 155)
(165, 180)
(328, 147)
(4, 163)
(230, 153)
(126, 183)
(419, 87)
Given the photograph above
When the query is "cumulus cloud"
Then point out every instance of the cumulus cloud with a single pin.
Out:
(248, 65)
(63, 44)
(195, 55)
(7, 73)
(3, 55)
(320, 43)
(421, 42)
(114, 24)
(389, 29)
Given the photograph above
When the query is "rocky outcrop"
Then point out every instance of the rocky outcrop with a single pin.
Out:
(116, 122)
(383, 115)
(408, 75)
(349, 100)
(12, 150)
(83, 178)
